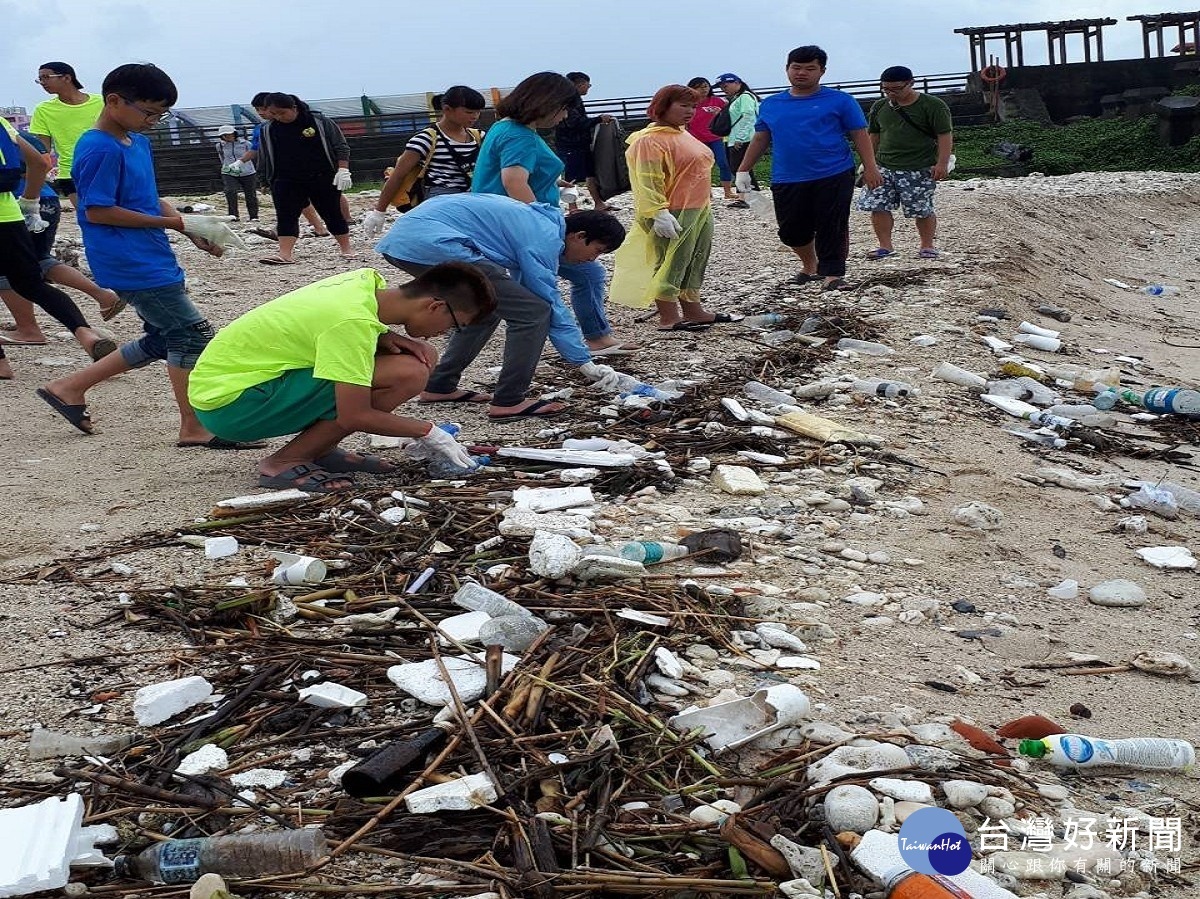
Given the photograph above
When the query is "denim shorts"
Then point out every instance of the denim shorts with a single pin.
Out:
(175, 330)
(912, 191)
(288, 404)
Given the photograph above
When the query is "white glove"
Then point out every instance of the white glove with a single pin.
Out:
(666, 225)
(31, 210)
(742, 183)
(373, 223)
(213, 230)
(603, 376)
(442, 444)
(568, 195)
(234, 168)
(342, 179)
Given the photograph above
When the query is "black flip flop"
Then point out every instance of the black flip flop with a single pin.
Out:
(339, 461)
(804, 278)
(687, 326)
(220, 443)
(530, 411)
(466, 396)
(724, 318)
(308, 478)
(75, 414)
(837, 284)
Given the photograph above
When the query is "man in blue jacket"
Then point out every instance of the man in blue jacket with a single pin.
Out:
(519, 246)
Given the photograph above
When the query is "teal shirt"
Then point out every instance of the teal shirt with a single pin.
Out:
(742, 113)
(508, 144)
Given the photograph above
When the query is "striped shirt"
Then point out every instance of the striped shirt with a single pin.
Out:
(444, 170)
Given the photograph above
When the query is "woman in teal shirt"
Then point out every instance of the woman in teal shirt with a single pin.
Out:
(743, 110)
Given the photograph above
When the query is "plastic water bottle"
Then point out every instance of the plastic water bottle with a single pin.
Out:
(945, 371)
(1165, 499)
(444, 468)
(238, 856)
(1159, 290)
(656, 393)
(513, 632)
(865, 347)
(1172, 401)
(476, 598)
(757, 390)
(1086, 415)
(766, 320)
(1141, 753)
(880, 387)
(650, 552)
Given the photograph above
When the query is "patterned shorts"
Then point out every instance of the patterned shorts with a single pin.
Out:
(913, 191)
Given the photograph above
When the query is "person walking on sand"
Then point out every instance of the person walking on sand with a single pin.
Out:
(743, 111)
(61, 121)
(699, 127)
(124, 225)
(812, 169)
(236, 175)
(913, 137)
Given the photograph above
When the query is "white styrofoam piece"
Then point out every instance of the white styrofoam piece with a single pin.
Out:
(155, 703)
(328, 695)
(267, 778)
(728, 725)
(574, 458)
(220, 547)
(738, 480)
(553, 555)
(424, 681)
(209, 757)
(464, 628)
(552, 499)
(264, 500)
(459, 795)
(520, 523)
(38, 844)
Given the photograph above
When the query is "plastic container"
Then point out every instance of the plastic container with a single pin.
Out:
(477, 598)
(444, 468)
(1087, 415)
(1030, 328)
(1039, 342)
(513, 632)
(955, 375)
(1172, 401)
(866, 347)
(238, 856)
(757, 390)
(390, 769)
(1166, 498)
(650, 552)
(1140, 753)
(1159, 290)
(418, 450)
(766, 320)
(880, 387)
(910, 884)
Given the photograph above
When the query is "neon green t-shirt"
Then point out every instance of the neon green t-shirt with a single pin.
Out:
(10, 210)
(331, 326)
(65, 124)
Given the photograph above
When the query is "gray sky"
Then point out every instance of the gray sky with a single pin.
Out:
(222, 51)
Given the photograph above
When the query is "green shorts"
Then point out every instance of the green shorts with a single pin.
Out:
(288, 404)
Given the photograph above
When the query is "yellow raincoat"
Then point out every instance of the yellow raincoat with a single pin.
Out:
(668, 169)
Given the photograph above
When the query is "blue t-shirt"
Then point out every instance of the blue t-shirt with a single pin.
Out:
(527, 239)
(507, 144)
(108, 173)
(47, 190)
(808, 134)
(255, 135)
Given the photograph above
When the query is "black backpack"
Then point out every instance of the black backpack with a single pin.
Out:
(722, 123)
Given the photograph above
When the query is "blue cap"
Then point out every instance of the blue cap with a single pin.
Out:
(726, 78)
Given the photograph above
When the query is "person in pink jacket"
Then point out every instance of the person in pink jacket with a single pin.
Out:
(706, 110)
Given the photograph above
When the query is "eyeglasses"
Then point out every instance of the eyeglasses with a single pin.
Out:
(454, 318)
(42, 79)
(895, 90)
(148, 116)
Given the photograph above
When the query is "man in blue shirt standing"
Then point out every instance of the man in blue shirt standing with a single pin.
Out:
(812, 168)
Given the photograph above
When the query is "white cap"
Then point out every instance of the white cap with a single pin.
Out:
(226, 129)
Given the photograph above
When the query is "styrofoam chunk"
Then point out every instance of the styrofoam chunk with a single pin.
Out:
(209, 757)
(553, 555)
(552, 499)
(460, 795)
(464, 628)
(738, 480)
(155, 703)
(424, 681)
(328, 695)
(39, 843)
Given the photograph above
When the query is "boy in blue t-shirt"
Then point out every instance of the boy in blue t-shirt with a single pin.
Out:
(124, 233)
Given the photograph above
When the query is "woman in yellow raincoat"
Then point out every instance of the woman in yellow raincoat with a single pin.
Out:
(664, 258)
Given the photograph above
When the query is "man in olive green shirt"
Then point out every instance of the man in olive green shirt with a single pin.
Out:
(912, 134)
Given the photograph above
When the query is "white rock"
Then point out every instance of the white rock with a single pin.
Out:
(666, 662)
(1118, 593)
(1168, 556)
(738, 480)
(779, 638)
(911, 616)
(823, 733)
(1134, 524)
(459, 795)
(906, 790)
(328, 695)
(665, 685)
(1067, 589)
(865, 598)
(796, 663)
(209, 757)
(155, 703)
(553, 555)
(871, 756)
(267, 778)
(964, 793)
(879, 557)
(1056, 792)
(1167, 664)
(997, 809)
(979, 516)
(851, 807)
(714, 812)
(423, 680)
(967, 676)
(903, 809)
(335, 774)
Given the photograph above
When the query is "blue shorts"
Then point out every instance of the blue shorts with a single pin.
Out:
(175, 330)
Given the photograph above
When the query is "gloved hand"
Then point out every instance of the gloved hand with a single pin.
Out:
(666, 225)
(212, 229)
(373, 223)
(234, 168)
(342, 179)
(442, 444)
(568, 195)
(31, 210)
(742, 183)
(603, 376)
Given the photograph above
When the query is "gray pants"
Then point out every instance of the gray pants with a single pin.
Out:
(527, 322)
(245, 183)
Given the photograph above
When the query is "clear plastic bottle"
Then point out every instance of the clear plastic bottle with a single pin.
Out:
(651, 552)
(513, 632)
(237, 856)
(778, 338)
(866, 347)
(1159, 290)
(419, 451)
(1087, 415)
(1166, 498)
(880, 387)
(1172, 401)
(946, 371)
(766, 320)
(477, 598)
(656, 393)
(757, 390)
(1140, 753)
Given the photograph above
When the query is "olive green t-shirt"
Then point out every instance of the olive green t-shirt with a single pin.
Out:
(906, 147)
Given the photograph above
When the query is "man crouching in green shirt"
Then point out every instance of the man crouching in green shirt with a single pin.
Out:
(321, 363)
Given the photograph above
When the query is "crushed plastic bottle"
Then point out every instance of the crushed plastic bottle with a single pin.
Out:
(1164, 499)
(656, 393)
(1159, 290)
(757, 390)
(477, 598)
(1087, 415)
(1141, 753)
(766, 320)
(237, 856)
(513, 632)
(880, 387)
(866, 347)
(651, 552)
(1172, 401)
